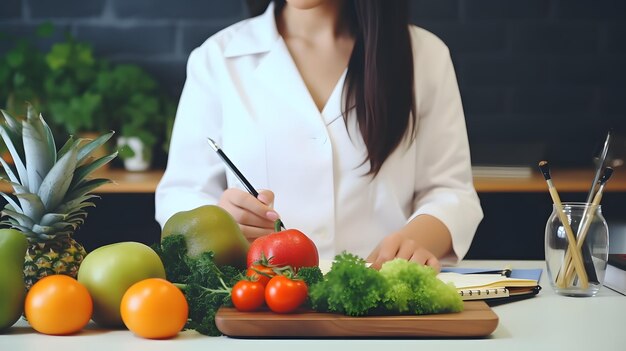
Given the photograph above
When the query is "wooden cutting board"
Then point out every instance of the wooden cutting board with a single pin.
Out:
(477, 319)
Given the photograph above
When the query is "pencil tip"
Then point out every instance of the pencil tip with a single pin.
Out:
(212, 143)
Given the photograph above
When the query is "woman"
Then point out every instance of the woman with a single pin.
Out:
(349, 118)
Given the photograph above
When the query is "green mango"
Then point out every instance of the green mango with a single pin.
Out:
(210, 228)
(13, 245)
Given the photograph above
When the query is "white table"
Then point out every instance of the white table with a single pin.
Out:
(545, 322)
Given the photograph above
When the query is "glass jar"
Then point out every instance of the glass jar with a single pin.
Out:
(588, 253)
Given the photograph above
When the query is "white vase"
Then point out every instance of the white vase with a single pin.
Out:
(137, 162)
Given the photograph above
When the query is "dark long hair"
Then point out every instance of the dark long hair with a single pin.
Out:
(379, 82)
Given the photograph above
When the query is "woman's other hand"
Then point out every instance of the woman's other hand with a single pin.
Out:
(423, 240)
(398, 246)
(255, 216)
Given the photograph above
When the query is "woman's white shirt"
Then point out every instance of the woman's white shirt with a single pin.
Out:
(244, 91)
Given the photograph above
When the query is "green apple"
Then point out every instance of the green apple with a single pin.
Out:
(13, 245)
(110, 270)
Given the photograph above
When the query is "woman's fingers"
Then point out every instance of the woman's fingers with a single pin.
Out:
(255, 216)
(385, 251)
(266, 197)
(395, 246)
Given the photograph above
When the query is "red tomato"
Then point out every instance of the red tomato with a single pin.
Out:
(154, 309)
(248, 295)
(284, 295)
(285, 248)
(260, 273)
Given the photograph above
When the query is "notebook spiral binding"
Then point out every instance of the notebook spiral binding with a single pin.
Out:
(479, 294)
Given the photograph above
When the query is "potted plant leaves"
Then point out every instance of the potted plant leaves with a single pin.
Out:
(84, 94)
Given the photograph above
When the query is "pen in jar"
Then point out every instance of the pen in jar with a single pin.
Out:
(236, 171)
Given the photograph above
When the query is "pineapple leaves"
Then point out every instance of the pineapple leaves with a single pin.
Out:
(76, 204)
(52, 147)
(50, 188)
(17, 187)
(5, 133)
(84, 170)
(39, 150)
(91, 146)
(51, 218)
(58, 180)
(10, 202)
(31, 206)
(9, 171)
(69, 144)
(12, 123)
(85, 187)
(14, 132)
(22, 219)
(78, 218)
(53, 229)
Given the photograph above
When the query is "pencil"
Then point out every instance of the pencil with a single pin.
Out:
(571, 239)
(233, 168)
(236, 171)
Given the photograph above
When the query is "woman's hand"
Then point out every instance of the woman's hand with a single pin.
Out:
(398, 245)
(423, 240)
(255, 216)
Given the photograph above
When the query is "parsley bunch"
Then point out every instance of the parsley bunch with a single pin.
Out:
(350, 288)
(206, 286)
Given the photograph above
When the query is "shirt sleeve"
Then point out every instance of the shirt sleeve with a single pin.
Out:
(444, 186)
(194, 175)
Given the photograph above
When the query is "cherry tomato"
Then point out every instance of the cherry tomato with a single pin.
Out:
(260, 273)
(284, 248)
(284, 295)
(154, 309)
(58, 305)
(248, 295)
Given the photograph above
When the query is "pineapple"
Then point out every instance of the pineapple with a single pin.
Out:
(51, 192)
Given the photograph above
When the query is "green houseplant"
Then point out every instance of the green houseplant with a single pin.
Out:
(68, 87)
(136, 106)
(84, 94)
(22, 72)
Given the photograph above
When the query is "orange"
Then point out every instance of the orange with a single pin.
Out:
(58, 305)
(154, 309)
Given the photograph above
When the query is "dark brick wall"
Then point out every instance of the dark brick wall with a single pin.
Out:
(539, 78)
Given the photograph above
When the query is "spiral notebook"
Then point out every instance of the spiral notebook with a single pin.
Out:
(473, 285)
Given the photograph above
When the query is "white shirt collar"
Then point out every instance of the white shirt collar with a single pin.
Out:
(256, 35)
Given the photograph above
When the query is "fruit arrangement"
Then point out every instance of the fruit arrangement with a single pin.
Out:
(40, 260)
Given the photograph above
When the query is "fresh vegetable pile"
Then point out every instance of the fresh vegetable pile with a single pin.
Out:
(350, 287)
(400, 287)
